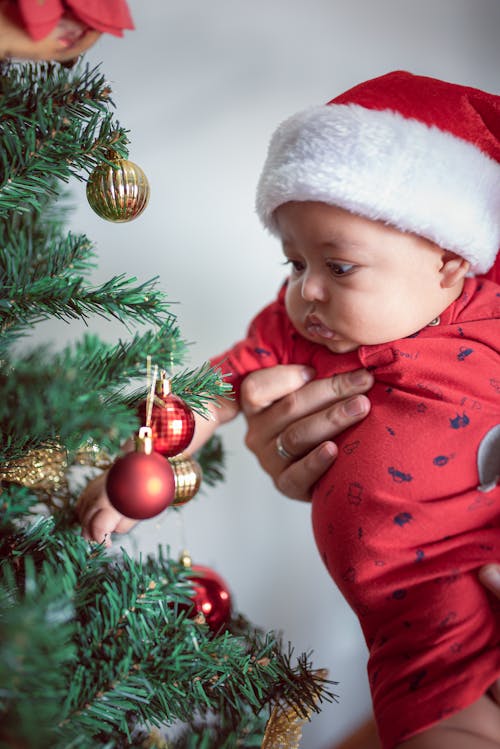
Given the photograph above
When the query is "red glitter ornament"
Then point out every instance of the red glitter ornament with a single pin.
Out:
(141, 484)
(172, 421)
(211, 596)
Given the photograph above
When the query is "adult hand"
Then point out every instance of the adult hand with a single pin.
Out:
(489, 575)
(50, 30)
(490, 578)
(284, 408)
(66, 41)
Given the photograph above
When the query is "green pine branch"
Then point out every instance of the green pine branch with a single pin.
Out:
(80, 394)
(126, 360)
(37, 649)
(39, 245)
(55, 123)
(200, 386)
(128, 651)
(65, 257)
(69, 298)
(49, 400)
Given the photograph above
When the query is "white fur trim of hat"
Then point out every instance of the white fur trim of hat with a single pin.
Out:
(390, 167)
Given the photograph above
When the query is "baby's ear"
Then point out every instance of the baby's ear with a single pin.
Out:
(453, 270)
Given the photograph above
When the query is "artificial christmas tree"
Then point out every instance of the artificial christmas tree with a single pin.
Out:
(98, 649)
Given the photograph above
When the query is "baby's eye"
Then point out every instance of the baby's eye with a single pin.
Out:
(297, 265)
(341, 269)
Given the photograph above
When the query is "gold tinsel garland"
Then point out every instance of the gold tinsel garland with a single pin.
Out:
(284, 727)
(42, 469)
(45, 469)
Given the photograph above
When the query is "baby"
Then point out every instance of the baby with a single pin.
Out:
(387, 204)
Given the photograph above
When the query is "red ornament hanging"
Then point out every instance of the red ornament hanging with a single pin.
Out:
(141, 484)
(172, 421)
(211, 597)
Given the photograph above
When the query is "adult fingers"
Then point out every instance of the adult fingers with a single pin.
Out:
(308, 416)
(304, 422)
(306, 433)
(309, 445)
(489, 575)
(297, 478)
(494, 690)
(265, 386)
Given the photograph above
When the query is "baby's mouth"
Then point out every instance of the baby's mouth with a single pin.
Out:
(316, 329)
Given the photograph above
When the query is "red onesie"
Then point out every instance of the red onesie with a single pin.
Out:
(410, 509)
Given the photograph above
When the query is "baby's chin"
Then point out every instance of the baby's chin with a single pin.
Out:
(336, 345)
(341, 347)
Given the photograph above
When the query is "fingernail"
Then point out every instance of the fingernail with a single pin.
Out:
(355, 407)
(327, 452)
(360, 377)
(308, 373)
(491, 575)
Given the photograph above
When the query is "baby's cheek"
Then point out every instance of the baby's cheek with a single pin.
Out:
(294, 304)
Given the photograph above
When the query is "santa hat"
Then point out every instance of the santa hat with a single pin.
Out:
(417, 153)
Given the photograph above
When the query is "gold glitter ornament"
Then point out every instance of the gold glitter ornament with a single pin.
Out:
(284, 727)
(119, 192)
(188, 476)
(43, 469)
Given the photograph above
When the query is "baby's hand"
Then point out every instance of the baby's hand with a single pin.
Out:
(97, 515)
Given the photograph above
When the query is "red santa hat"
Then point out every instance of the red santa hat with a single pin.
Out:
(418, 153)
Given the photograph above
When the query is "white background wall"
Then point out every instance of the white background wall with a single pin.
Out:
(201, 85)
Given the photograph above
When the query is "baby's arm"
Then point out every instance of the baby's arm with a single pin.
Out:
(98, 517)
(220, 413)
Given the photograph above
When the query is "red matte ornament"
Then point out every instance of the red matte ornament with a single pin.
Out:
(141, 484)
(211, 597)
(172, 421)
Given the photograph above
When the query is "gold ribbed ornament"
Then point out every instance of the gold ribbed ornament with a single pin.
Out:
(284, 727)
(188, 476)
(118, 193)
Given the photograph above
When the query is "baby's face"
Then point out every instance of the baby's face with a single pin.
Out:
(354, 281)
(68, 40)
